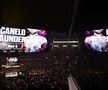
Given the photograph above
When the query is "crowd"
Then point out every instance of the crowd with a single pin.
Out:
(50, 72)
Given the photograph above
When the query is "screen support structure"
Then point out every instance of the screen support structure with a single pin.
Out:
(73, 17)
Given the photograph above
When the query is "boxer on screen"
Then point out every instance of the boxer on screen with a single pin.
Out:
(96, 41)
(35, 42)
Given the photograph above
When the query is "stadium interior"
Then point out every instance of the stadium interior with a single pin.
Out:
(50, 70)
(55, 45)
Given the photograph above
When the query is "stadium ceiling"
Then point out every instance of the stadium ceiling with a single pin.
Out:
(54, 15)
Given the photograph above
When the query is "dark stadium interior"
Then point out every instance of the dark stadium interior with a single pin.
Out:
(54, 15)
(50, 69)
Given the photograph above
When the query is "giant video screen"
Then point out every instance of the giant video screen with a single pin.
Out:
(22, 40)
(96, 40)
